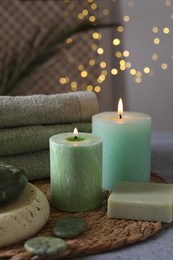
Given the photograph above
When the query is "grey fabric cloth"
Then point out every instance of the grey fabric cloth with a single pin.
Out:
(162, 154)
(34, 138)
(35, 164)
(27, 123)
(62, 108)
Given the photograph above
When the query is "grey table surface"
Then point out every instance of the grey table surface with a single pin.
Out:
(160, 246)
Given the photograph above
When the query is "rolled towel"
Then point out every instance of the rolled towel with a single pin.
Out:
(35, 165)
(62, 108)
(33, 138)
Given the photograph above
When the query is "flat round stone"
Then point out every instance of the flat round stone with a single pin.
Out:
(45, 246)
(12, 182)
(24, 217)
(69, 227)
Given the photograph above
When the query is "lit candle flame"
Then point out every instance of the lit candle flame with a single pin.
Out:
(120, 108)
(75, 133)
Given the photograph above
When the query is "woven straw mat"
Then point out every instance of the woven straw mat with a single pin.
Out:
(102, 234)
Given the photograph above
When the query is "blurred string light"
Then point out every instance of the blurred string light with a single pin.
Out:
(122, 56)
(126, 18)
(168, 2)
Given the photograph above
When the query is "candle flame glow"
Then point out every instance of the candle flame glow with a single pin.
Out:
(120, 108)
(75, 132)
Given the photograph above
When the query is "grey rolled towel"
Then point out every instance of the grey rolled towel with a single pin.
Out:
(62, 108)
(35, 165)
(34, 138)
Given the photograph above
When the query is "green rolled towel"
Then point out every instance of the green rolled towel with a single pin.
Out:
(62, 108)
(33, 138)
(35, 165)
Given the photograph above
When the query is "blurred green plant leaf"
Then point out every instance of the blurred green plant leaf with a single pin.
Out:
(38, 50)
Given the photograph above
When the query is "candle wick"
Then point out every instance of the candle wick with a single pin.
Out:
(120, 116)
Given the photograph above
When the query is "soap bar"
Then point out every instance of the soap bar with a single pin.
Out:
(141, 201)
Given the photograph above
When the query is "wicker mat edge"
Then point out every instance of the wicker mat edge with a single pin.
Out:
(102, 234)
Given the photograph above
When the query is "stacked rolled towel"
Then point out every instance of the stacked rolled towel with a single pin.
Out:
(27, 123)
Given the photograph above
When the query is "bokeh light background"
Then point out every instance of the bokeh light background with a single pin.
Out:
(133, 61)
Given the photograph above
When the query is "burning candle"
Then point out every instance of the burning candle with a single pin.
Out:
(76, 171)
(126, 145)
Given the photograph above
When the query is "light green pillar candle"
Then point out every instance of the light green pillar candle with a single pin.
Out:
(126, 146)
(76, 171)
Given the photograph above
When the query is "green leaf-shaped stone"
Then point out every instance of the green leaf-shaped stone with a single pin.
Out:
(45, 246)
(69, 227)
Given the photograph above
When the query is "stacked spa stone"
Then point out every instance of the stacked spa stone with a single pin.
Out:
(12, 182)
(24, 209)
(27, 123)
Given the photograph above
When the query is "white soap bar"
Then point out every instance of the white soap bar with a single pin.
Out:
(141, 201)
(24, 217)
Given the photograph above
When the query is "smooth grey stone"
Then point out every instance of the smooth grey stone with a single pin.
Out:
(69, 227)
(12, 183)
(45, 246)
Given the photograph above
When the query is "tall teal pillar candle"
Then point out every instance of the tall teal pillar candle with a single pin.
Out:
(126, 146)
(76, 171)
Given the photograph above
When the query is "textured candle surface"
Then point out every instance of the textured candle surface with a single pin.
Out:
(126, 146)
(76, 171)
(141, 201)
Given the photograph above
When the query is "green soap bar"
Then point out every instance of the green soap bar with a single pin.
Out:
(69, 227)
(45, 246)
(141, 201)
(12, 183)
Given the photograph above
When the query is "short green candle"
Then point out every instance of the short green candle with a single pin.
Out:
(76, 171)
